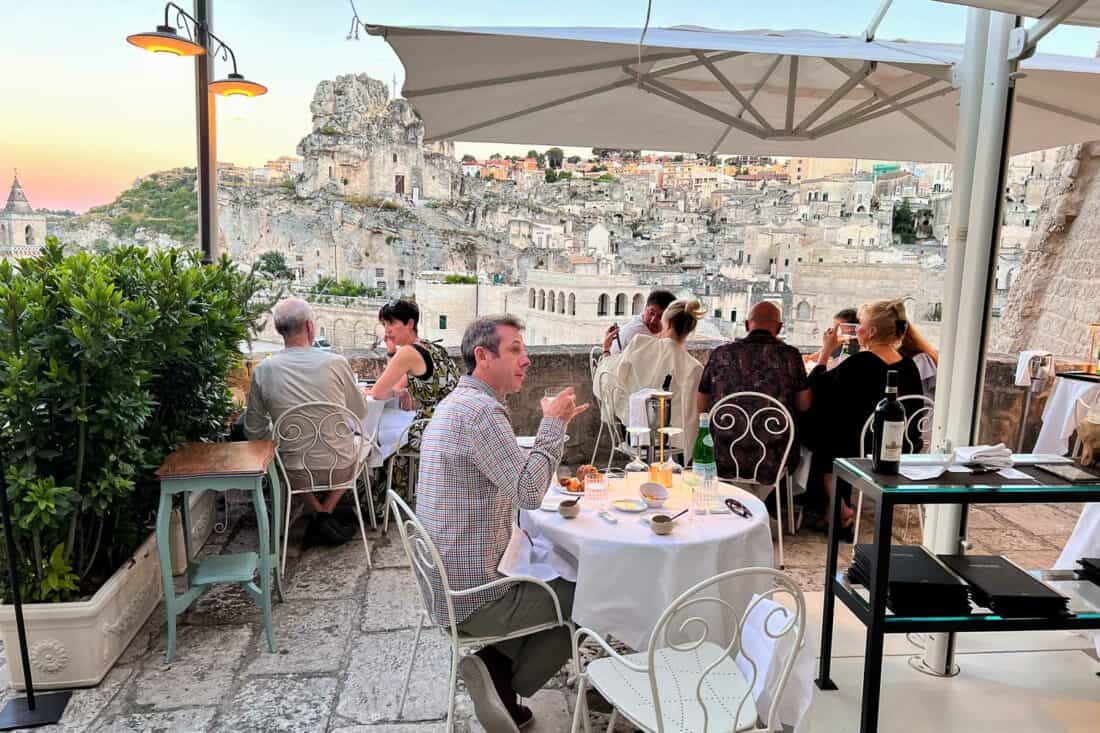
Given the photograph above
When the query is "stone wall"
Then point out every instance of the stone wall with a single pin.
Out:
(1056, 293)
(563, 366)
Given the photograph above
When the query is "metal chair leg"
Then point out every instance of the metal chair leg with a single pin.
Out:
(580, 709)
(612, 720)
(389, 487)
(409, 671)
(451, 690)
(370, 496)
(286, 531)
(362, 527)
(779, 526)
(596, 447)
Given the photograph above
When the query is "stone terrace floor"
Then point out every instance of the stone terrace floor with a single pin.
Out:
(344, 635)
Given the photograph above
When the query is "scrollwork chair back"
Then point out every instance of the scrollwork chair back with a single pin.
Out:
(684, 640)
(749, 426)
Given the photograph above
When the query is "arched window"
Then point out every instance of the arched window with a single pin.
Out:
(620, 304)
(3, 234)
(561, 302)
(28, 235)
(803, 311)
(531, 305)
(572, 304)
(542, 300)
(550, 302)
(637, 305)
(602, 306)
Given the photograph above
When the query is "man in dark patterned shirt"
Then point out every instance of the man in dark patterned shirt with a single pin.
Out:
(473, 476)
(759, 362)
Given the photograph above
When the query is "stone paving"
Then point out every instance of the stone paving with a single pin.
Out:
(344, 635)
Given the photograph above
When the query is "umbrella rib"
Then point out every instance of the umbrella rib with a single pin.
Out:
(632, 79)
(879, 112)
(878, 105)
(690, 102)
(721, 139)
(746, 105)
(889, 100)
(531, 76)
(1047, 107)
(792, 86)
(530, 110)
(764, 79)
(853, 79)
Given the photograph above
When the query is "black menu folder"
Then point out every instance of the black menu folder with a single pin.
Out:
(1090, 569)
(1003, 587)
(919, 585)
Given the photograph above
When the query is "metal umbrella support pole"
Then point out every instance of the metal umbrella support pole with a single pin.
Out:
(945, 534)
(33, 710)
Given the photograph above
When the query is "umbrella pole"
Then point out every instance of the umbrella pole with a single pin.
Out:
(958, 411)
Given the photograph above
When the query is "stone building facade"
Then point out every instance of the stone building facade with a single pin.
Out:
(365, 144)
(1056, 294)
(22, 230)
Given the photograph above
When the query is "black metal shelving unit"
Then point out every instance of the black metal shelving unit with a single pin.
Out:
(951, 488)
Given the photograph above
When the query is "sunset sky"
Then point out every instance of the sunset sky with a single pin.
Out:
(84, 113)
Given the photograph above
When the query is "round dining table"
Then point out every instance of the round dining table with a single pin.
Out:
(627, 575)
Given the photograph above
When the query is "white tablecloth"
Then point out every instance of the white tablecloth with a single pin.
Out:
(627, 575)
(1058, 415)
(390, 425)
(1084, 542)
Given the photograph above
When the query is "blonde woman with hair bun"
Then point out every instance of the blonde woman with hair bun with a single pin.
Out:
(843, 397)
(648, 359)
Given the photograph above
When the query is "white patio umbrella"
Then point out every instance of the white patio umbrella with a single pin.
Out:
(766, 92)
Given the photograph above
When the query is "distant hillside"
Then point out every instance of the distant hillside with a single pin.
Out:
(163, 202)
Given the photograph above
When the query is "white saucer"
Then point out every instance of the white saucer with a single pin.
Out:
(629, 505)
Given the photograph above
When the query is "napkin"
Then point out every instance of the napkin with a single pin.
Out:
(638, 417)
(759, 645)
(991, 456)
(530, 553)
(1023, 367)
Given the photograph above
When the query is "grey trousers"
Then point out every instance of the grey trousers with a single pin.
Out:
(537, 657)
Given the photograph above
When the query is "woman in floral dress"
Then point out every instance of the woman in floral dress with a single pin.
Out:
(420, 372)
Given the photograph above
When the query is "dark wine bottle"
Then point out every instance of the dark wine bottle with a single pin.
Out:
(889, 427)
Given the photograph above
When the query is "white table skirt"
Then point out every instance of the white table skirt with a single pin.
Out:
(1059, 421)
(627, 576)
(1084, 542)
(390, 425)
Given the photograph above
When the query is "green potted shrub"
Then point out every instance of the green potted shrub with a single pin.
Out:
(108, 361)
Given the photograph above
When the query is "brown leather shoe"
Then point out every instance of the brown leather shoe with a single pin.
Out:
(522, 716)
(488, 707)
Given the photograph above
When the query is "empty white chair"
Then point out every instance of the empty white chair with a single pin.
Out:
(695, 678)
(318, 447)
(412, 455)
(429, 574)
(766, 431)
(918, 425)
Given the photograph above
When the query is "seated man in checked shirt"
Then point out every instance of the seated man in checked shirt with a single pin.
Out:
(473, 476)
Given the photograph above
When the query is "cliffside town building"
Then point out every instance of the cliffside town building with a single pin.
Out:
(22, 230)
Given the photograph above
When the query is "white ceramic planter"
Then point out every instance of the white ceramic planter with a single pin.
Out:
(76, 644)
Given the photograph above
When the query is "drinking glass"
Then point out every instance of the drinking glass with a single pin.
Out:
(595, 491)
(694, 484)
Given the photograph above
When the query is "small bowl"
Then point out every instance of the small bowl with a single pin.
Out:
(654, 494)
(661, 523)
(569, 508)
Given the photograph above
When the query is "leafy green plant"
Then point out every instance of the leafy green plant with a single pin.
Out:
(107, 362)
(460, 280)
(274, 264)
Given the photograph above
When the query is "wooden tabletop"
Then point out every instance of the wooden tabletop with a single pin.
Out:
(242, 458)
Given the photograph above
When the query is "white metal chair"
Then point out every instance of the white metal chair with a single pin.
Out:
(686, 682)
(318, 448)
(431, 581)
(918, 424)
(594, 356)
(766, 430)
(412, 455)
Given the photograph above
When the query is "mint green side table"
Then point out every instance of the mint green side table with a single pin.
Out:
(220, 467)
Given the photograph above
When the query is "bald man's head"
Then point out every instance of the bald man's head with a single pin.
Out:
(766, 316)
